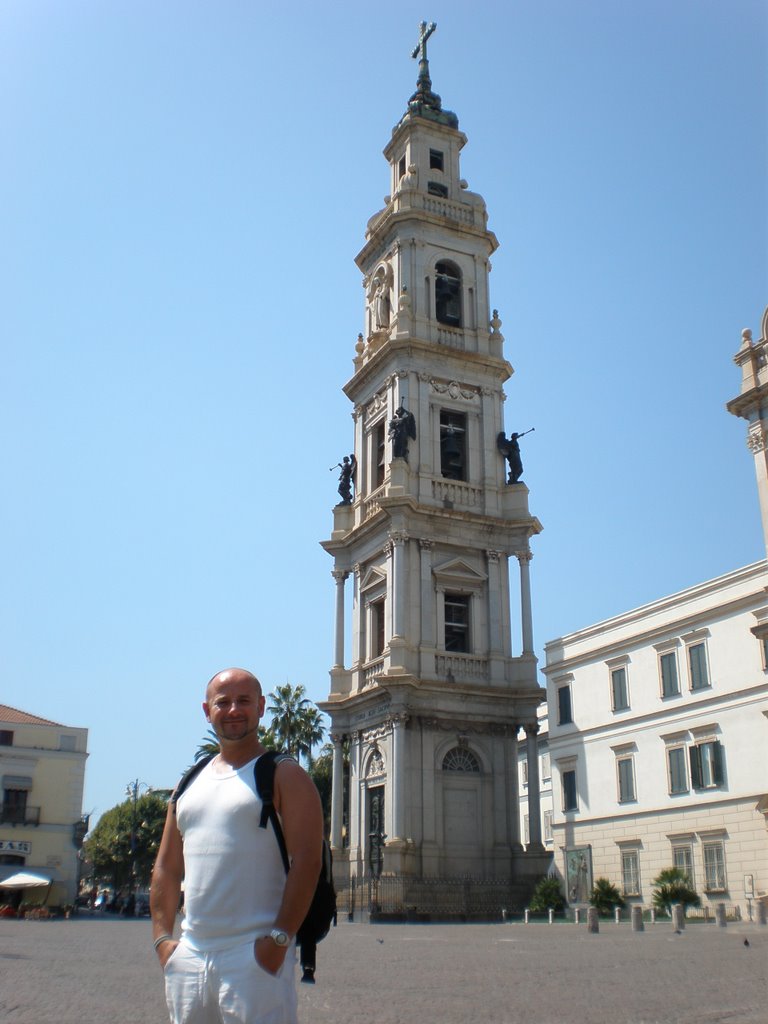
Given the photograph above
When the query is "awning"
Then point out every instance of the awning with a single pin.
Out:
(25, 880)
(17, 782)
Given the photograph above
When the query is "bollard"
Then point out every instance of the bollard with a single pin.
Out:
(762, 913)
(593, 922)
(678, 917)
(551, 915)
(577, 915)
(617, 915)
(527, 913)
(504, 915)
(637, 919)
(720, 915)
(653, 915)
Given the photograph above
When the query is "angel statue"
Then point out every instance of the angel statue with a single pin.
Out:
(347, 466)
(401, 427)
(510, 449)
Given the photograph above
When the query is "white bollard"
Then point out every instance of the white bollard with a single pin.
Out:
(637, 919)
(551, 915)
(720, 915)
(577, 915)
(653, 915)
(617, 915)
(678, 917)
(527, 915)
(593, 922)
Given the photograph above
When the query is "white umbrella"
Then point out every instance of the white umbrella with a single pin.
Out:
(25, 880)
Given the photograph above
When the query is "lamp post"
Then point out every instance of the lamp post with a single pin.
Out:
(132, 791)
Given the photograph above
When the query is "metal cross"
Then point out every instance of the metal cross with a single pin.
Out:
(425, 31)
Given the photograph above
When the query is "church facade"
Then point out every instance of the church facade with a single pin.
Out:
(431, 545)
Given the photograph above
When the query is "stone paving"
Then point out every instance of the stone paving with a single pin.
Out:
(101, 970)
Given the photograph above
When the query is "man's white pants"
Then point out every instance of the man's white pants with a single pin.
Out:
(229, 987)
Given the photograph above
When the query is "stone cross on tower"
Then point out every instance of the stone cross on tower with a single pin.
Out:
(425, 31)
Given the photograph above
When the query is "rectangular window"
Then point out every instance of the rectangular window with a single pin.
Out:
(453, 445)
(714, 867)
(436, 188)
(764, 649)
(457, 623)
(569, 791)
(525, 772)
(435, 160)
(626, 773)
(678, 775)
(564, 715)
(619, 689)
(527, 829)
(377, 628)
(401, 167)
(6, 737)
(15, 806)
(697, 663)
(707, 765)
(682, 858)
(670, 684)
(630, 872)
(547, 826)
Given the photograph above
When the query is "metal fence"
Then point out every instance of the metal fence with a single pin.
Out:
(402, 898)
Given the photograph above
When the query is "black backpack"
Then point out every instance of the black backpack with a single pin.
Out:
(322, 909)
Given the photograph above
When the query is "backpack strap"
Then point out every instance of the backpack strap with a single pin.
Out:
(189, 775)
(264, 774)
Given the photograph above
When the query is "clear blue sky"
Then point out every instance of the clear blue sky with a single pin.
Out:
(184, 187)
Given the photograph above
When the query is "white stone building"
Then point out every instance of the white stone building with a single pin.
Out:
(42, 766)
(658, 725)
(434, 697)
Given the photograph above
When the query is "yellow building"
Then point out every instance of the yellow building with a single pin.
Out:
(42, 767)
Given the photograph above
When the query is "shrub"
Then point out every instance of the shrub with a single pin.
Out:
(605, 897)
(673, 886)
(546, 895)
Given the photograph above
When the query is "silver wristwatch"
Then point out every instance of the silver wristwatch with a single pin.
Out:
(280, 938)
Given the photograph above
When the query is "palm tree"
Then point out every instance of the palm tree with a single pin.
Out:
(311, 732)
(288, 708)
(208, 746)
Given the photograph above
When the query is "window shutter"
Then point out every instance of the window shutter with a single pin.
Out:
(696, 778)
(717, 763)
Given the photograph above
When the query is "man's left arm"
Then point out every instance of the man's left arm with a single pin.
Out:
(301, 813)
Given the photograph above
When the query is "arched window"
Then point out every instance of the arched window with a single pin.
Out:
(448, 294)
(459, 759)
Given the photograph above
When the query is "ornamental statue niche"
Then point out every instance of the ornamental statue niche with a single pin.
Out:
(402, 426)
(378, 299)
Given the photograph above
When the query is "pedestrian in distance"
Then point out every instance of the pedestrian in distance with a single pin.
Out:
(235, 960)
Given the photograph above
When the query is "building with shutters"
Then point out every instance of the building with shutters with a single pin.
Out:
(42, 766)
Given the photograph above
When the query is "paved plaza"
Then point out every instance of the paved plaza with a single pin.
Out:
(101, 970)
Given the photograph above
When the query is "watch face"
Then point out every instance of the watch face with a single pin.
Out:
(279, 938)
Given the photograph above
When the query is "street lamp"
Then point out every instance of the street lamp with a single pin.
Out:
(132, 791)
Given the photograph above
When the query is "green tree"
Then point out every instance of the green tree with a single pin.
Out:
(127, 835)
(605, 897)
(311, 732)
(288, 710)
(672, 885)
(546, 895)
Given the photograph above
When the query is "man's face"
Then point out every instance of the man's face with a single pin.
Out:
(233, 705)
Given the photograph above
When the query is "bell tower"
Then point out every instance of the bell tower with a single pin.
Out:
(433, 699)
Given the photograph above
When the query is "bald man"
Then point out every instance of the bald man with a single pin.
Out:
(235, 960)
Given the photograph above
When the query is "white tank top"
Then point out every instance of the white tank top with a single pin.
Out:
(233, 873)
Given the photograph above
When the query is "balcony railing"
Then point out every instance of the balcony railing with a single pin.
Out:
(461, 667)
(20, 816)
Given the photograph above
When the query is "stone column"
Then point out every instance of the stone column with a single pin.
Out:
(340, 576)
(494, 603)
(427, 638)
(337, 792)
(524, 558)
(398, 539)
(534, 798)
(398, 772)
(357, 618)
(514, 778)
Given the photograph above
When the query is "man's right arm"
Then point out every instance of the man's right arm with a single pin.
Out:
(165, 889)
